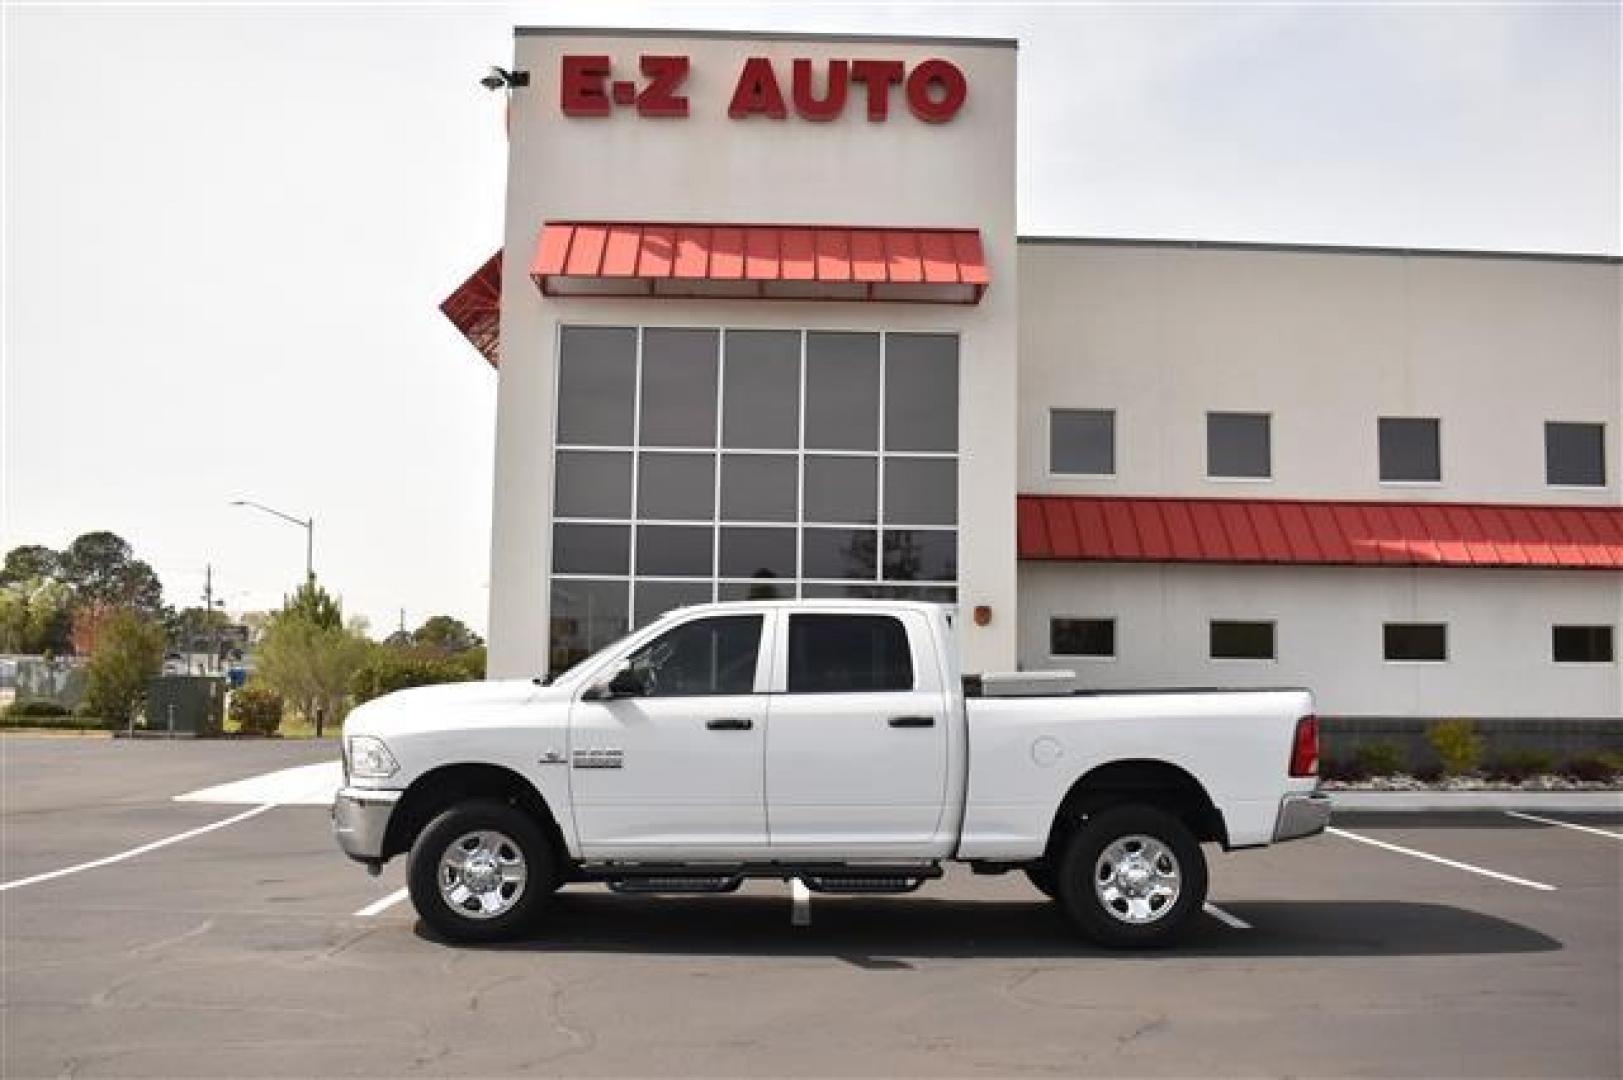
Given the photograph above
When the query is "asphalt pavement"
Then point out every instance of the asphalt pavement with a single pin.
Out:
(1405, 945)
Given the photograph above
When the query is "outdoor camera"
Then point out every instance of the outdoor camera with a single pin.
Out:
(501, 77)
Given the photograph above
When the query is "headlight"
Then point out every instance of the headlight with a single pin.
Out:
(369, 758)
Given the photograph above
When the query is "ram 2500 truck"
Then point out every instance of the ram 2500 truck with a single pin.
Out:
(830, 741)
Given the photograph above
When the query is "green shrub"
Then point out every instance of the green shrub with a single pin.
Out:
(389, 670)
(1601, 768)
(55, 723)
(37, 707)
(1429, 773)
(1457, 746)
(1343, 770)
(1517, 765)
(1382, 758)
(257, 711)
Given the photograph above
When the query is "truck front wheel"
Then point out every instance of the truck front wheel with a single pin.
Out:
(1132, 876)
(480, 871)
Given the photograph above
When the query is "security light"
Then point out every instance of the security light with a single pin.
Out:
(501, 77)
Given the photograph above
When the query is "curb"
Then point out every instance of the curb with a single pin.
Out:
(1585, 802)
(58, 733)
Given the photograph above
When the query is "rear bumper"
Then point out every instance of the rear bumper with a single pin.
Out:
(360, 821)
(1302, 815)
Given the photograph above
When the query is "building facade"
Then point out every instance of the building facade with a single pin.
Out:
(764, 327)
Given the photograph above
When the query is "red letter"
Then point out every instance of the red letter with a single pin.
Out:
(833, 96)
(580, 86)
(877, 75)
(757, 91)
(660, 98)
(954, 89)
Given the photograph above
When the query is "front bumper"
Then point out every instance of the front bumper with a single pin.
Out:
(360, 821)
(1302, 815)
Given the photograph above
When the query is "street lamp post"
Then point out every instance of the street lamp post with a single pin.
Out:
(308, 525)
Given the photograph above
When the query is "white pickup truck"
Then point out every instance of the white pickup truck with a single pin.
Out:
(830, 741)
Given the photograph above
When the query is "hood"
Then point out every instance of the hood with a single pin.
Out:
(446, 706)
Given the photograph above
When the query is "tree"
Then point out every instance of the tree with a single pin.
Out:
(104, 574)
(129, 651)
(316, 605)
(308, 656)
(36, 616)
(28, 562)
(388, 670)
(445, 634)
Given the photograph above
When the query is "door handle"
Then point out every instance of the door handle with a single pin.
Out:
(912, 721)
(730, 723)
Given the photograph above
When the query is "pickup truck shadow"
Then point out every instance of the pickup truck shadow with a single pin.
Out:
(883, 933)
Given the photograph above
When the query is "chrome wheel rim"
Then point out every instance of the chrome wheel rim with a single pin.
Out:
(1137, 879)
(482, 874)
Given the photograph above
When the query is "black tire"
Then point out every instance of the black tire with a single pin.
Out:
(1089, 911)
(1041, 876)
(481, 816)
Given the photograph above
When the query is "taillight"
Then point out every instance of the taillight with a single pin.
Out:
(1305, 747)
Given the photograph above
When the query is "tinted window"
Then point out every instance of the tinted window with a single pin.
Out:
(921, 392)
(761, 398)
(842, 391)
(596, 385)
(757, 487)
(679, 387)
(842, 489)
(707, 656)
(762, 589)
(1575, 454)
(1242, 640)
(1082, 441)
(1582, 644)
(586, 615)
(592, 484)
(839, 553)
(1082, 637)
(921, 555)
(675, 550)
(590, 549)
(834, 654)
(758, 553)
(921, 491)
(1416, 641)
(1409, 449)
(676, 487)
(1237, 446)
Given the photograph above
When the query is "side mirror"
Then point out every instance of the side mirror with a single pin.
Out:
(628, 681)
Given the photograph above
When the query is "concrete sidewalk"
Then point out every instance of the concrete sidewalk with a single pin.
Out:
(1570, 802)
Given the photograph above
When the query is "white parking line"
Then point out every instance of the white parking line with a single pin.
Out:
(800, 913)
(1226, 919)
(379, 906)
(1563, 824)
(133, 852)
(1439, 859)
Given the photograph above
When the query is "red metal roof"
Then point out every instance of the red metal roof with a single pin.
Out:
(475, 308)
(1120, 529)
(774, 262)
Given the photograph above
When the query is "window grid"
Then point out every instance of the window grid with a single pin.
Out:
(717, 450)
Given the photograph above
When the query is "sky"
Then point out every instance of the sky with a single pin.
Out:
(227, 229)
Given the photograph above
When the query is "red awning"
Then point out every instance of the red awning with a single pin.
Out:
(772, 262)
(475, 308)
(1117, 529)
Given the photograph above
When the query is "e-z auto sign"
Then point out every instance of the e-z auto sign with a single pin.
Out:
(934, 90)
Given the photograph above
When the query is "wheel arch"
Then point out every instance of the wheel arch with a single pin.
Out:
(1146, 780)
(440, 788)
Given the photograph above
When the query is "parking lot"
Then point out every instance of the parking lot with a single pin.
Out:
(255, 948)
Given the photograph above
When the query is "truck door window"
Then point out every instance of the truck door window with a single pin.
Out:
(848, 654)
(703, 657)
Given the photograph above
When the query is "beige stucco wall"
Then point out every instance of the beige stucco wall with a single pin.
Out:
(1326, 343)
(709, 168)
(1328, 633)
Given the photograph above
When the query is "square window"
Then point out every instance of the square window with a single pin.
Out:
(592, 484)
(1575, 454)
(921, 555)
(1235, 640)
(597, 376)
(675, 550)
(1082, 442)
(586, 615)
(765, 554)
(758, 487)
(1582, 644)
(676, 487)
(921, 491)
(1415, 642)
(843, 490)
(839, 553)
(590, 549)
(1237, 446)
(1409, 449)
(1082, 637)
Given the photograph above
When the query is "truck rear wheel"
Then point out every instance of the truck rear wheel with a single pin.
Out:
(1132, 876)
(480, 872)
